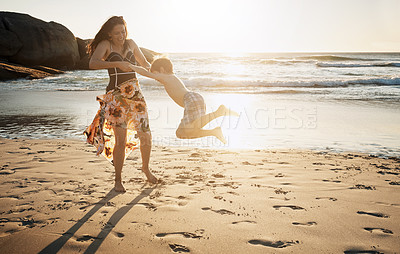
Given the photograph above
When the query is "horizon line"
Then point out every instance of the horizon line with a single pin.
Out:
(275, 52)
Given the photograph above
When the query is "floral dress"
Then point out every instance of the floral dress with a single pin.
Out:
(122, 106)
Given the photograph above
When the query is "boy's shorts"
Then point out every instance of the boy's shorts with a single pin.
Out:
(194, 108)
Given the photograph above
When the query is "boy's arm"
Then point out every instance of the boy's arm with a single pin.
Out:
(142, 71)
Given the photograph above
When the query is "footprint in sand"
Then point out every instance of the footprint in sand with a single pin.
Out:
(182, 203)
(12, 196)
(280, 191)
(32, 191)
(380, 215)
(132, 158)
(39, 159)
(46, 151)
(337, 169)
(26, 222)
(244, 221)
(21, 185)
(310, 223)
(184, 234)
(276, 244)
(331, 199)
(183, 151)
(387, 204)
(149, 206)
(218, 175)
(333, 181)
(363, 187)
(381, 230)
(4, 171)
(178, 248)
(144, 223)
(387, 172)
(283, 162)
(86, 238)
(293, 207)
(221, 211)
(120, 235)
(355, 251)
(95, 161)
(43, 181)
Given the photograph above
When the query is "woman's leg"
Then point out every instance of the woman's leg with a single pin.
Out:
(119, 156)
(145, 150)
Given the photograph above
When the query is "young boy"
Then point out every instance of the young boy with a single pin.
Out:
(195, 117)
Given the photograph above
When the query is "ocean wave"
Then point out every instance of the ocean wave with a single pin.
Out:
(282, 92)
(345, 65)
(354, 74)
(334, 58)
(77, 89)
(281, 61)
(225, 84)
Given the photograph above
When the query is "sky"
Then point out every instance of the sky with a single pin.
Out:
(233, 25)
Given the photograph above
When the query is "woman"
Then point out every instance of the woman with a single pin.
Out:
(123, 112)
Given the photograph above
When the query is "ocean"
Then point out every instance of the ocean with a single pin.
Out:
(321, 101)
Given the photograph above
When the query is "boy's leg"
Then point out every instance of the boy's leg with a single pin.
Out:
(203, 120)
(191, 133)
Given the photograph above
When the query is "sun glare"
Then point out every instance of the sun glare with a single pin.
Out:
(235, 128)
(232, 70)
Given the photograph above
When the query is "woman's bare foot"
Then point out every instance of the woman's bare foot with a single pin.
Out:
(118, 187)
(218, 134)
(150, 177)
(224, 111)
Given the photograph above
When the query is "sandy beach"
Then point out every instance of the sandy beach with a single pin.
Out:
(56, 195)
(302, 109)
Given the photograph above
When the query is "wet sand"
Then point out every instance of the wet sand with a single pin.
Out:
(265, 122)
(56, 195)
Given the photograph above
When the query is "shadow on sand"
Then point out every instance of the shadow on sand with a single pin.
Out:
(56, 245)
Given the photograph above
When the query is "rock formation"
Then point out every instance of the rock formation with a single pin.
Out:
(29, 41)
(29, 46)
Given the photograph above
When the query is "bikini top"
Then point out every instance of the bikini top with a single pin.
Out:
(117, 76)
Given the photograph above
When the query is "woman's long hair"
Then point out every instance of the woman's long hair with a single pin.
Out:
(103, 34)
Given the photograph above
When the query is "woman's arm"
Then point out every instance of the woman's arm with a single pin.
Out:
(97, 60)
(139, 55)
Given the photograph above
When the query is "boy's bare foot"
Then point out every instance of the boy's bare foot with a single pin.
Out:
(118, 187)
(218, 134)
(150, 177)
(223, 110)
